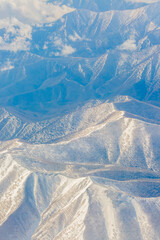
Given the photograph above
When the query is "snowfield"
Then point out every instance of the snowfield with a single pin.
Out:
(80, 120)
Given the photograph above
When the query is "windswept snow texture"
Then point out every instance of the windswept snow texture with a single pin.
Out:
(80, 120)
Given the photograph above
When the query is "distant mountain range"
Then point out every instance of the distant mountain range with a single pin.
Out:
(80, 120)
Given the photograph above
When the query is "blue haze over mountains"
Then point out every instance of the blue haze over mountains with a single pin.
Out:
(80, 120)
(100, 67)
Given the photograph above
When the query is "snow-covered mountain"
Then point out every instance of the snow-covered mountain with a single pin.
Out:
(79, 120)
(82, 52)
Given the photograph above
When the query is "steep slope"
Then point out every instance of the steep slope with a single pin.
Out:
(103, 163)
(80, 120)
(84, 52)
(41, 205)
(102, 5)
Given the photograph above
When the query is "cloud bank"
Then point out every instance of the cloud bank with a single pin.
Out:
(18, 16)
(32, 11)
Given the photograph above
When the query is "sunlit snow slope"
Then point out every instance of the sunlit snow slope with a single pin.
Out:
(80, 120)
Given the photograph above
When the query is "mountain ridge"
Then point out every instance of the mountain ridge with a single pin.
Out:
(79, 120)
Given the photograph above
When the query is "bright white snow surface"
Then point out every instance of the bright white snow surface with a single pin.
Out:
(79, 120)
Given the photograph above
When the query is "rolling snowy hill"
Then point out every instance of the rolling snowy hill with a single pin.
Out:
(80, 120)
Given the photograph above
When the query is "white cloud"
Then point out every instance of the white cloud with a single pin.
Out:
(18, 16)
(32, 11)
(58, 42)
(6, 66)
(16, 35)
(67, 50)
(63, 49)
(130, 45)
